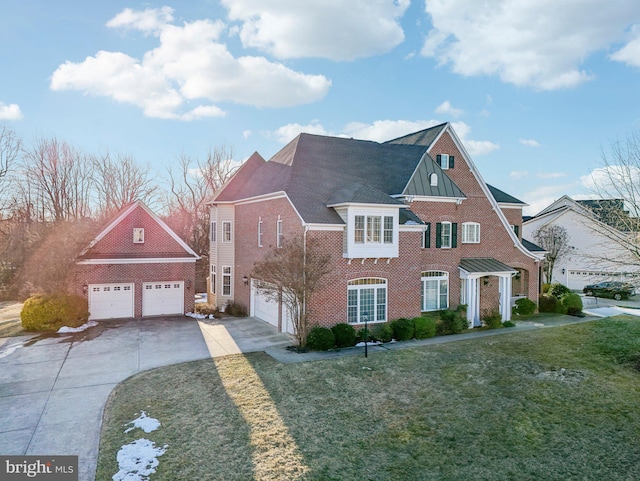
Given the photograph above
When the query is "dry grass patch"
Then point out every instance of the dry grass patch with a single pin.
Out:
(556, 403)
(10, 324)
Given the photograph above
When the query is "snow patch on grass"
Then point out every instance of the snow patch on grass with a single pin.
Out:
(138, 460)
(144, 422)
(66, 329)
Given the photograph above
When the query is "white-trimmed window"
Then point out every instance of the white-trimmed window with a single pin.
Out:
(226, 281)
(213, 232)
(445, 235)
(279, 233)
(435, 290)
(138, 235)
(433, 180)
(379, 229)
(260, 233)
(226, 231)
(470, 233)
(213, 278)
(367, 297)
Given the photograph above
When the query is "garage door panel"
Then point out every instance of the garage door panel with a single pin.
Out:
(162, 298)
(110, 301)
(263, 308)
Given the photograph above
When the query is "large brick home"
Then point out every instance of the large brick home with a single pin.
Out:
(136, 266)
(410, 226)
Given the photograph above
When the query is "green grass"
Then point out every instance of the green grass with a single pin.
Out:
(552, 404)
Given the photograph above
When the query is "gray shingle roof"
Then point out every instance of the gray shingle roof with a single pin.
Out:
(531, 247)
(484, 264)
(502, 197)
(423, 137)
(315, 171)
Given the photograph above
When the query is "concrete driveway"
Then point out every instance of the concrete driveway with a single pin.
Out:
(53, 388)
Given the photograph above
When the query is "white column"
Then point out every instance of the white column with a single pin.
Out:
(505, 297)
(473, 301)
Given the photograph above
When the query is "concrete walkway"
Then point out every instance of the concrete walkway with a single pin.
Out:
(53, 388)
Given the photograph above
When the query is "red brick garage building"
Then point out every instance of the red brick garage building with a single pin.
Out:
(136, 267)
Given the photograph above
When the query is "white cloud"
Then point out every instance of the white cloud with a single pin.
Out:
(531, 43)
(550, 175)
(246, 134)
(630, 53)
(518, 174)
(383, 130)
(446, 108)
(149, 20)
(287, 133)
(190, 65)
(530, 142)
(10, 112)
(540, 198)
(331, 29)
(612, 180)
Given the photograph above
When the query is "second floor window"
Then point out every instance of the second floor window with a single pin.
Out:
(260, 234)
(226, 232)
(446, 235)
(470, 233)
(279, 233)
(373, 229)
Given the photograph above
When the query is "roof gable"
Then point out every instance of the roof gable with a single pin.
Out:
(116, 241)
(502, 197)
(420, 182)
(424, 137)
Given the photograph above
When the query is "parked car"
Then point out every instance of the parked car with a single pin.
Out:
(615, 289)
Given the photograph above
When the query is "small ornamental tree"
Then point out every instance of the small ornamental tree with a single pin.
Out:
(555, 240)
(290, 274)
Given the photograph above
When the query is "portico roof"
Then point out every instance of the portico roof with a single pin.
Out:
(484, 265)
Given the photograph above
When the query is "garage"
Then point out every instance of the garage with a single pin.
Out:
(110, 301)
(162, 298)
(263, 308)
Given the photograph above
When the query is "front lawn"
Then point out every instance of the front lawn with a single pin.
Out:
(552, 404)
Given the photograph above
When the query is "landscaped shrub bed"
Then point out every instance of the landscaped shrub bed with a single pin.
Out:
(424, 327)
(53, 311)
(525, 307)
(321, 339)
(345, 335)
(403, 329)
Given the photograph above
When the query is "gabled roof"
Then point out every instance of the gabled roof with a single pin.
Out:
(424, 137)
(176, 248)
(361, 194)
(530, 246)
(502, 197)
(420, 183)
(313, 169)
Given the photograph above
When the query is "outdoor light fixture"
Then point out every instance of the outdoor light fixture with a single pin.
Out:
(365, 318)
(245, 279)
(85, 288)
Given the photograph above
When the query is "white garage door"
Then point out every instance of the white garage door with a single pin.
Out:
(110, 301)
(262, 308)
(162, 298)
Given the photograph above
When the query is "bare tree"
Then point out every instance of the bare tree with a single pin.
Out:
(10, 148)
(291, 274)
(555, 240)
(191, 187)
(60, 176)
(119, 182)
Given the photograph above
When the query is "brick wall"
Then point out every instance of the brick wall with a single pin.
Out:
(138, 274)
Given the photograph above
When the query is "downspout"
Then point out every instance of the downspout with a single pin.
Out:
(304, 272)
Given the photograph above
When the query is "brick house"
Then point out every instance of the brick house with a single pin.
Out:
(136, 267)
(410, 226)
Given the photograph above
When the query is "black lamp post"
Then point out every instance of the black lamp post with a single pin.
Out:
(365, 318)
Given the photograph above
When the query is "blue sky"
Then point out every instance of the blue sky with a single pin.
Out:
(535, 88)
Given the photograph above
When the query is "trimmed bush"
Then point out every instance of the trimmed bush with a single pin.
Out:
(424, 327)
(493, 320)
(452, 322)
(525, 306)
(572, 303)
(547, 303)
(321, 339)
(508, 324)
(51, 312)
(361, 333)
(402, 329)
(344, 334)
(236, 309)
(558, 290)
(381, 332)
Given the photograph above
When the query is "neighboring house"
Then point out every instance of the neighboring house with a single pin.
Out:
(135, 267)
(593, 256)
(410, 226)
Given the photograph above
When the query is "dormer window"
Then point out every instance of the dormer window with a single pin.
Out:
(379, 229)
(138, 235)
(445, 161)
(372, 232)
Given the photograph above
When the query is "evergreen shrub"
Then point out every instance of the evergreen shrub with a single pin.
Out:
(321, 339)
(424, 327)
(345, 335)
(53, 311)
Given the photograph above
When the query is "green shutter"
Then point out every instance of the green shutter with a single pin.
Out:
(427, 236)
(454, 234)
(451, 161)
(516, 229)
(438, 235)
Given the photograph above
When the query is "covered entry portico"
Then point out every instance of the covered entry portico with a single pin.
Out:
(472, 270)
